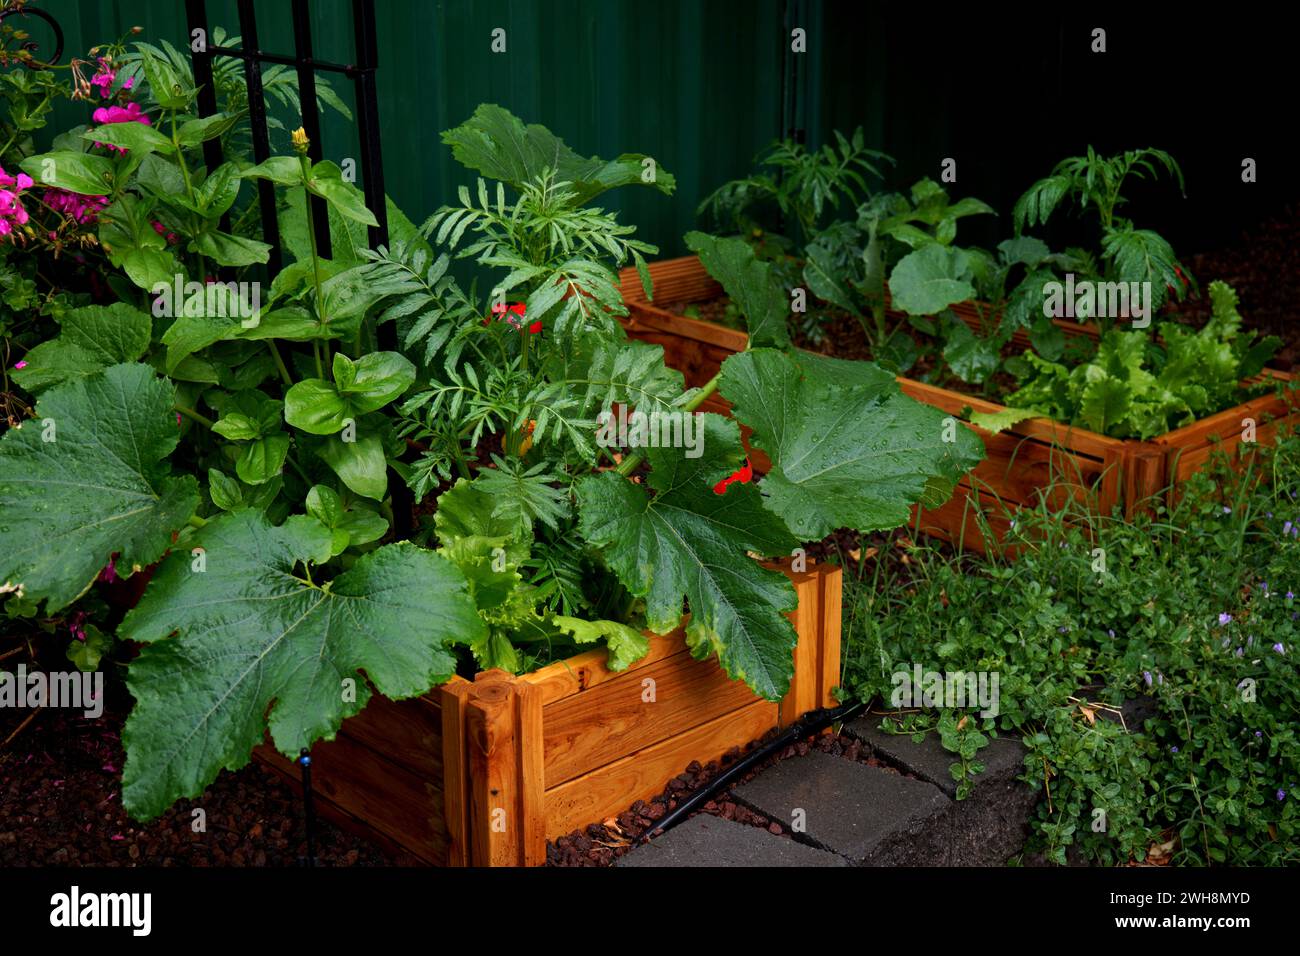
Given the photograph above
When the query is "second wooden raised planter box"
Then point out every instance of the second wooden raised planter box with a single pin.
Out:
(1034, 458)
(484, 772)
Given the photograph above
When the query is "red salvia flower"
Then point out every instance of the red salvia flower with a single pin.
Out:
(744, 474)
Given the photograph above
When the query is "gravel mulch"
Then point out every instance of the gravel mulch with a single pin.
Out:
(61, 805)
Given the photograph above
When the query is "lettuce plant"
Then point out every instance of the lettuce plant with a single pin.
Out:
(1135, 388)
(248, 460)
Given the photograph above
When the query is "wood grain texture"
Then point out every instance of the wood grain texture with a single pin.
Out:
(455, 761)
(614, 718)
(610, 789)
(588, 669)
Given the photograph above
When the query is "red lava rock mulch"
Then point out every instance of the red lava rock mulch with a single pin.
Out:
(61, 805)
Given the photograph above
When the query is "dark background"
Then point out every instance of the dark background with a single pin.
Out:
(703, 85)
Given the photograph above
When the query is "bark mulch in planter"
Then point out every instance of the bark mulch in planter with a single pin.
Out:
(61, 805)
(1263, 265)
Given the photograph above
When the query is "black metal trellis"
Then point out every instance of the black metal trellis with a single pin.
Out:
(362, 72)
(31, 45)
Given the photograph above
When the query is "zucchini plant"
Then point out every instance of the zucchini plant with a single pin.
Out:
(250, 460)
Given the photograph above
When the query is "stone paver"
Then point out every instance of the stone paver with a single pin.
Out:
(1003, 758)
(706, 840)
(990, 825)
(865, 814)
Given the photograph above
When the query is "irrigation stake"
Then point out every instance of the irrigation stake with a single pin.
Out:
(308, 810)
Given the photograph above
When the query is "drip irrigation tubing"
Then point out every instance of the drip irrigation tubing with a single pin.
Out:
(810, 723)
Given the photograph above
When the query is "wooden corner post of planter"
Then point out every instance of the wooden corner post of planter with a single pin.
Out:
(817, 654)
(1144, 477)
(492, 759)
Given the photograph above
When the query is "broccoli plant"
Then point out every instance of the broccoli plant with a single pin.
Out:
(577, 495)
(786, 211)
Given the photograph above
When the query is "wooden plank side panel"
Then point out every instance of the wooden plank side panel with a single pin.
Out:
(958, 520)
(610, 789)
(368, 786)
(408, 732)
(1020, 469)
(1227, 425)
(613, 718)
(1078, 440)
(588, 669)
(674, 280)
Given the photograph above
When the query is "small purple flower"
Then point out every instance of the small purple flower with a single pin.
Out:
(1225, 617)
(1279, 648)
(1146, 676)
(1174, 749)
(1259, 733)
(1240, 651)
(1286, 528)
(1110, 631)
(1268, 514)
(20, 364)
(1290, 595)
(1281, 795)
(1263, 586)
(1227, 510)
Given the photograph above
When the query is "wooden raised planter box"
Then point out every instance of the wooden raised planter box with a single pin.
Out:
(483, 773)
(1022, 463)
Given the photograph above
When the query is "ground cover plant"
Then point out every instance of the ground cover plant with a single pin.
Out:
(1193, 606)
(242, 446)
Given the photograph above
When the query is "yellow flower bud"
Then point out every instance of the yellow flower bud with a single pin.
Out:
(300, 141)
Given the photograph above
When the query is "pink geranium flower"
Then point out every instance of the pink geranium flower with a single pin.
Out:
(11, 207)
(120, 114)
(80, 209)
(104, 77)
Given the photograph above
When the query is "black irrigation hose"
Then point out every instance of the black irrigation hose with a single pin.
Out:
(806, 725)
